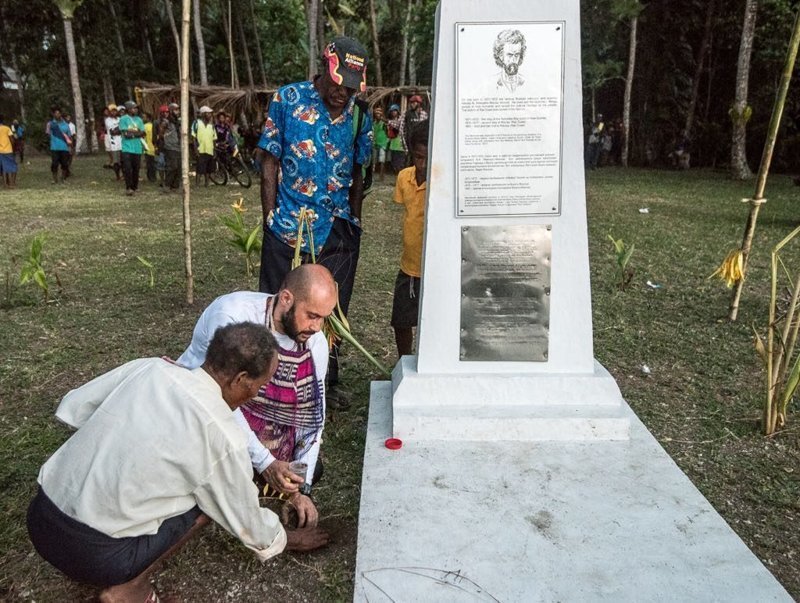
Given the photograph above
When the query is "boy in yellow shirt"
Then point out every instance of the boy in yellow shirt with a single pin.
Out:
(409, 191)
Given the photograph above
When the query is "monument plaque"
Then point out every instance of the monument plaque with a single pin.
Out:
(505, 292)
(509, 116)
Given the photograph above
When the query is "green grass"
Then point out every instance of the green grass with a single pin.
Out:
(702, 399)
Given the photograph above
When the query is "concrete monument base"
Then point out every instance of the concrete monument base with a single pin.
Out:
(448, 520)
(531, 406)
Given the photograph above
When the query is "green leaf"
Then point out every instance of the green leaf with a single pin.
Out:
(791, 384)
(251, 239)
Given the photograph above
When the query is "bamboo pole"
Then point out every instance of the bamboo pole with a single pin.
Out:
(766, 158)
(187, 220)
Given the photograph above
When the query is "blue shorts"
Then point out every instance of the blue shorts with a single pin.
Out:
(8, 164)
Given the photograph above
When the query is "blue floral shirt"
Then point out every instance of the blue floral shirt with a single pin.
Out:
(316, 156)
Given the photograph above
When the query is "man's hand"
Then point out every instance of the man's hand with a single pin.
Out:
(306, 539)
(307, 515)
(281, 479)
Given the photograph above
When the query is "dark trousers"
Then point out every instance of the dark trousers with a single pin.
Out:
(172, 177)
(131, 162)
(339, 255)
(86, 555)
(150, 162)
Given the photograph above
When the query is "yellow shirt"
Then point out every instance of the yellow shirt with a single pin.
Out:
(150, 149)
(5, 139)
(412, 197)
(205, 134)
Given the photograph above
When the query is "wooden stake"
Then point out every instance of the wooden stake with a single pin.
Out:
(187, 220)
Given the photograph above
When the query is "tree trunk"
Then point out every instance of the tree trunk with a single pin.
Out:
(147, 45)
(121, 47)
(93, 142)
(243, 41)
(257, 39)
(740, 111)
(77, 97)
(401, 81)
(312, 13)
(108, 90)
(187, 219)
(226, 26)
(626, 107)
(175, 34)
(698, 71)
(412, 45)
(201, 46)
(376, 49)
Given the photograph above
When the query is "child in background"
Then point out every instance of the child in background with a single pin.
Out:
(410, 192)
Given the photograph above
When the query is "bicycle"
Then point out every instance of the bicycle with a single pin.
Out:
(230, 164)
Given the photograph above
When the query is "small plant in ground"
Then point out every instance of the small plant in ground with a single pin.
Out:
(150, 268)
(781, 363)
(244, 239)
(622, 254)
(336, 325)
(32, 268)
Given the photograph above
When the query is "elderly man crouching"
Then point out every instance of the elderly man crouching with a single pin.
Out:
(157, 453)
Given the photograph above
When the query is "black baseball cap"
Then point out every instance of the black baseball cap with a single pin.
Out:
(346, 60)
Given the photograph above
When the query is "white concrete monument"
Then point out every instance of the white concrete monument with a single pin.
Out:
(505, 330)
(523, 476)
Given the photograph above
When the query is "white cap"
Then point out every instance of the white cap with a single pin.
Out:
(206, 109)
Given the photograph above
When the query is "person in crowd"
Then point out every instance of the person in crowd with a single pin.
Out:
(204, 136)
(397, 150)
(105, 138)
(19, 129)
(131, 128)
(226, 140)
(414, 114)
(114, 140)
(309, 140)
(60, 143)
(284, 421)
(150, 148)
(594, 147)
(155, 456)
(8, 163)
(169, 140)
(73, 132)
(380, 141)
(409, 191)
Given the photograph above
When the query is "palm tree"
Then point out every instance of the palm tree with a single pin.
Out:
(67, 9)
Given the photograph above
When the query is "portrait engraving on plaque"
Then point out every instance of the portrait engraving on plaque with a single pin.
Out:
(505, 292)
(509, 107)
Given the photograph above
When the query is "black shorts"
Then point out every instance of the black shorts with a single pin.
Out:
(59, 158)
(405, 305)
(205, 163)
(86, 555)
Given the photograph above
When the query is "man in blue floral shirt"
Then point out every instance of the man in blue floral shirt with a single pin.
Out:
(314, 153)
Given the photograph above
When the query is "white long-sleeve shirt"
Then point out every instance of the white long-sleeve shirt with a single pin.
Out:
(251, 306)
(153, 440)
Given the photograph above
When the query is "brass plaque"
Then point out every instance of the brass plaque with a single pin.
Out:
(505, 292)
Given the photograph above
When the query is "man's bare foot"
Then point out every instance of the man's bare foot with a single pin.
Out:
(137, 590)
(303, 540)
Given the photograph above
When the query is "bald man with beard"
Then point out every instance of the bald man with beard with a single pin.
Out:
(284, 421)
